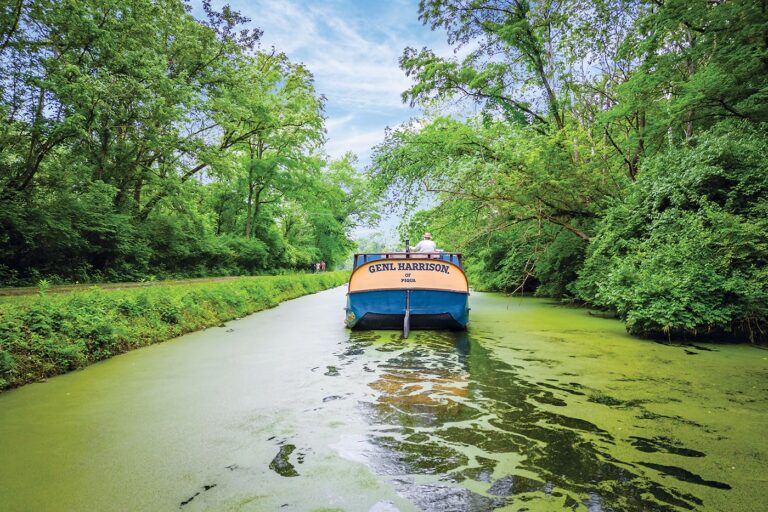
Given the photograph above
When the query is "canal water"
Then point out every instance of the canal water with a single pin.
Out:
(537, 407)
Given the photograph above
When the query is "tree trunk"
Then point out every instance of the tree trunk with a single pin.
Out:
(256, 208)
(137, 193)
(249, 217)
(34, 156)
(249, 202)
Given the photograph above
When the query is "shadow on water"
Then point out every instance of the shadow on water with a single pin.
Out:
(456, 428)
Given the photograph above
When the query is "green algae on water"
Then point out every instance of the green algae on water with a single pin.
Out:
(536, 407)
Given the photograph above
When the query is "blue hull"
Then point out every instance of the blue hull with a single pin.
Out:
(429, 309)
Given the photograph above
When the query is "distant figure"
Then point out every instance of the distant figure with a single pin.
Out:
(312, 267)
(426, 245)
(322, 266)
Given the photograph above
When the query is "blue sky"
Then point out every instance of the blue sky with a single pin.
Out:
(352, 48)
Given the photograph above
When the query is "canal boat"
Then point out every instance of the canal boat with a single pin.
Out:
(407, 290)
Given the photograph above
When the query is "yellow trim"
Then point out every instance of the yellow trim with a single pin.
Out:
(408, 274)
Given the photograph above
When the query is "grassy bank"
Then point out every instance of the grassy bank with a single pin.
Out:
(49, 335)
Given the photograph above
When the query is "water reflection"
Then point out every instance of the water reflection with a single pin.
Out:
(456, 428)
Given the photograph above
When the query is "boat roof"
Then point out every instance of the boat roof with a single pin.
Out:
(410, 254)
(365, 257)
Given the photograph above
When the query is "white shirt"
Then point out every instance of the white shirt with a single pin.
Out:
(426, 246)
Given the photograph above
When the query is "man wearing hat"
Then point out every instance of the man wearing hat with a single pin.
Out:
(426, 245)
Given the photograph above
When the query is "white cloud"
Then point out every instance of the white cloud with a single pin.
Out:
(333, 123)
(349, 67)
(359, 142)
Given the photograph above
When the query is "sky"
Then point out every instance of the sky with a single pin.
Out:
(352, 48)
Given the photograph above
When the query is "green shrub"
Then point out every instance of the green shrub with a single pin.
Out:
(686, 253)
(558, 264)
(503, 263)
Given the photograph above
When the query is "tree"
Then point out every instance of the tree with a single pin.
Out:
(286, 127)
(137, 140)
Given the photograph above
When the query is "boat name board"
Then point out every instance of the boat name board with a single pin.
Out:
(434, 267)
(408, 275)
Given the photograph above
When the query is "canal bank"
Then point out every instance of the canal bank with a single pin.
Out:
(537, 406)
(42, 336)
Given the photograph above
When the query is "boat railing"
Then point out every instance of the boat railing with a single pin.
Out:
(451, 257)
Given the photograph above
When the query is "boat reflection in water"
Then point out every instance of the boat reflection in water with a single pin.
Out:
(457, 428)
(406, 290)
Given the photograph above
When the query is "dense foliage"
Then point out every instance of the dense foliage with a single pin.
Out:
(47, 335)
(137, 141)
(614, 154)
(687, 251)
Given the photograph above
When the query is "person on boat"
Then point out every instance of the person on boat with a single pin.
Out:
(426, 245)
